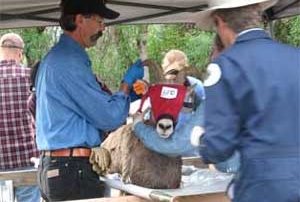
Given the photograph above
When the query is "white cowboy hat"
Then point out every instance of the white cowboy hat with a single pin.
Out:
(204, 20)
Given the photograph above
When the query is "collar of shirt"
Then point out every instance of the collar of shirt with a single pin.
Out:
(75, 46)
(249, 30)
(4, 63)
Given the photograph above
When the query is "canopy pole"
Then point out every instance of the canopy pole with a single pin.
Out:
(271, 29)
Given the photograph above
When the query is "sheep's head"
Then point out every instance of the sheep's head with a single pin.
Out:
(170, 99)
(165, 127)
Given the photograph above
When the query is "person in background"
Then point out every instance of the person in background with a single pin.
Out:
(174, 62)
(180, 143)
(17, 144)
(73, 111)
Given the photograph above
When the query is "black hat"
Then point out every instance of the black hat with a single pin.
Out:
(88, 7)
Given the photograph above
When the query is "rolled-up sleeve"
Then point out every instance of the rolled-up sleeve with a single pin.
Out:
(84, 96)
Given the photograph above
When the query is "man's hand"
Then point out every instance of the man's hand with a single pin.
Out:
(134, 72)
(139, 117)
(136, 118)
(140, 87)
(100, 159)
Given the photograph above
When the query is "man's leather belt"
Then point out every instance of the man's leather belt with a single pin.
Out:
(72, 152)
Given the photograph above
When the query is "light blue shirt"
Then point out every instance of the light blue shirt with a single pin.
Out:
(199, 98)
(72, 109)
(179, 144)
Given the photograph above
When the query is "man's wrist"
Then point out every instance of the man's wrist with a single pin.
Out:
(124, 87)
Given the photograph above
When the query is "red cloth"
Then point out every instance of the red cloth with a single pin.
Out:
(17, 144)
(166, 99)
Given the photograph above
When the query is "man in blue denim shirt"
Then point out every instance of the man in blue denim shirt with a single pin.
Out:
(73, 111)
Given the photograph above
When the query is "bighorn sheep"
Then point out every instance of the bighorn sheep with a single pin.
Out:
(139, 165)
(136, 163)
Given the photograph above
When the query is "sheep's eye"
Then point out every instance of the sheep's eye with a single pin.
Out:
(161, 125)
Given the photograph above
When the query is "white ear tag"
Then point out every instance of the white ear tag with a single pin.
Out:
(214, 75)
(168, 93)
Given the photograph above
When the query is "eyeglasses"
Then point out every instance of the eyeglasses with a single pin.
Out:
(96, 18)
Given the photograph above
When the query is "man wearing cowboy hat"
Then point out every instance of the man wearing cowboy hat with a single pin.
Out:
(73, 112)
(252, 103)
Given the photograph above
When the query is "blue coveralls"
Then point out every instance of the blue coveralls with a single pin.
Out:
(254, 108)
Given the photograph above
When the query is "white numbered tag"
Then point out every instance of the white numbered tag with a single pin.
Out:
(168, 93)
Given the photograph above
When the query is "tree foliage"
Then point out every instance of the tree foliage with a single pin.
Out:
(195, 43)
(37, 43)
(287, 30)
(120, 46)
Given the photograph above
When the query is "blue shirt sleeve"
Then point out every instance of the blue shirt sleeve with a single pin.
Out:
(221, 117)
(104, 111)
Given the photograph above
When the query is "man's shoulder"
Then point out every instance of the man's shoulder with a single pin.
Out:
(11, 69)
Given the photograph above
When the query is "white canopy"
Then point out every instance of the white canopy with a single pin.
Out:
(31, 13)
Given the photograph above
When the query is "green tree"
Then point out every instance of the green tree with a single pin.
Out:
(37, 43)
(115, 51)
(194, 42)
(287, 30)
(119, 47)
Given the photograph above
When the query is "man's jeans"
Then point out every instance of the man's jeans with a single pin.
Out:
(68, 178)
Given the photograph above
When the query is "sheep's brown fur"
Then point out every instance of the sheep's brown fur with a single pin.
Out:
(138, 165)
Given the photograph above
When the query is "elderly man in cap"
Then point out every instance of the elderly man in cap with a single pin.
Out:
(16, 132)
(72, 111)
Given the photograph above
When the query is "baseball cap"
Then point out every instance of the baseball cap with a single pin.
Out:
(11, 40)
(174, 60)
(88, 7)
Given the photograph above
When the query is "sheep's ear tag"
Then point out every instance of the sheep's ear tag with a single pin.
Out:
(168, 92)
(213, 75)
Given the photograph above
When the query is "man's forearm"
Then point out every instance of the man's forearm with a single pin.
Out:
(124, 87)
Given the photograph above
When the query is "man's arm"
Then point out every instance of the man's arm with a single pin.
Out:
(180, 141)
(222, 123)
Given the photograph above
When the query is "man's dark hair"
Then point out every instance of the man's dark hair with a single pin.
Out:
(67, 22)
